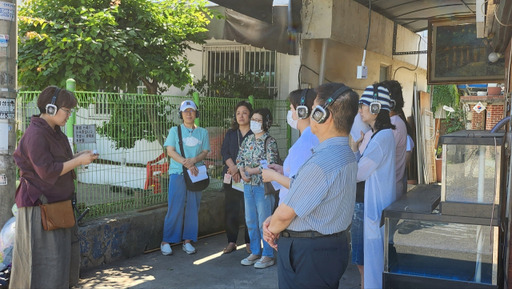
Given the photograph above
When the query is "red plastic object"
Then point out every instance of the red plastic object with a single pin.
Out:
(153, 170)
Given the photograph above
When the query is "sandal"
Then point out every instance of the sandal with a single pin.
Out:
(230, 248)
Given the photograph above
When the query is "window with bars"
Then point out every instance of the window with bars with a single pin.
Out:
(222, 60)
(101, 108)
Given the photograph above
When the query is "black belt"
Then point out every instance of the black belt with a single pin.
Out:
(307, 234)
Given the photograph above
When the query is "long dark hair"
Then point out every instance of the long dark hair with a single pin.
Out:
(382, 121)
(248, 105)
(395, 93)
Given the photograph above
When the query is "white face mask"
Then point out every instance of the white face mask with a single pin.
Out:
(291, 122)
(256, 127)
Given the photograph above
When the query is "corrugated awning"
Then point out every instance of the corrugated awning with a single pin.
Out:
(414, 15)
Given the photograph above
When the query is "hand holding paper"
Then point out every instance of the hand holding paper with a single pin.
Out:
(201, 175)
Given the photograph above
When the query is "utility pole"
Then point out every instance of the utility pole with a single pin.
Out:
(8, 89)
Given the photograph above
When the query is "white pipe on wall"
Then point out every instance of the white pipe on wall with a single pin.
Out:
(322, 62)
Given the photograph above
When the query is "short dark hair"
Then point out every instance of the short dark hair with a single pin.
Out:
(266, 117)
(344, 109)
(296, 95)
(65, 98)
(248, 105)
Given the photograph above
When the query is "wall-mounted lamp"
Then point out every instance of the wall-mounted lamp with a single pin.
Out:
(494, 56)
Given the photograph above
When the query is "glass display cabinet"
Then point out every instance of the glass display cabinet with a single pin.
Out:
(451, 236)
(472, 173)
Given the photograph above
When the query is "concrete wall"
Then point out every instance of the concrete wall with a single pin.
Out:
(344, 24)
(126, 235)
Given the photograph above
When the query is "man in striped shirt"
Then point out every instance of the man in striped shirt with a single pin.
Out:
(310, 225)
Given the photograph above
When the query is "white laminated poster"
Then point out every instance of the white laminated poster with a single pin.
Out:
(7, 108)
(4, 135)
(202, 175)
(238, 186)
(4, 39)
(7, 11)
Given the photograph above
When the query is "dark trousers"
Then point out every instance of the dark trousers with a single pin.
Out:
(233, 206)
(312, 262)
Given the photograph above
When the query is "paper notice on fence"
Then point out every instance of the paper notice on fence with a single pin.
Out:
(238, 186)
(200, 176)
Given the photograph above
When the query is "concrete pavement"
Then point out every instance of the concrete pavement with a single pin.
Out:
(208, 268)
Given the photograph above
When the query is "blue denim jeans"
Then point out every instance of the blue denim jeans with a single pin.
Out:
(258, 207)
(181, 221)
(357, 235)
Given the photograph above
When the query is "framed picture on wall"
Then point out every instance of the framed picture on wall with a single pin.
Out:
(456, 55)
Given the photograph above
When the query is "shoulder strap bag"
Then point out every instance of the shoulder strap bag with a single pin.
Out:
(191, 186)
(58, 215)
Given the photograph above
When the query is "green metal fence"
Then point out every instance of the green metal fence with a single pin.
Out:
(131, 172)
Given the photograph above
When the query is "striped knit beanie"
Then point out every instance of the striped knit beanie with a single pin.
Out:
(382, 97)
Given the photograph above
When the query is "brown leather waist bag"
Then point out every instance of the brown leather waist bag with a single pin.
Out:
(57, 215)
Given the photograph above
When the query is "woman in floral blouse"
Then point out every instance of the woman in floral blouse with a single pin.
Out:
(258, 206)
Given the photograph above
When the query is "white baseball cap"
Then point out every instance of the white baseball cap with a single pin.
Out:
(187, 104)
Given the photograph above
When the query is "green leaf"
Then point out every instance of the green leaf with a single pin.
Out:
(118, 45)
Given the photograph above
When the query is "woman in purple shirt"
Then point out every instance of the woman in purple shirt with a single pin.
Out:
(46, 259)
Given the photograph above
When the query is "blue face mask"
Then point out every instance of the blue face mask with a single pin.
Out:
(291, 122)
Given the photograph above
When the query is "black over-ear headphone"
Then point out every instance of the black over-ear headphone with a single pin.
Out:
(51, 108)
(302, 109)
(375, 104)
(320, 114)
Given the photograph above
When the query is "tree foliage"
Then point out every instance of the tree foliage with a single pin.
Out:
(108, 44)
(444, 95)
(234, 85)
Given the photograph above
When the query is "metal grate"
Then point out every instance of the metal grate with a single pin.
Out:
(219, 60)
(131, 171)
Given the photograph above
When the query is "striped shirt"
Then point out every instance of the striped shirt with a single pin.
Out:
(323, 192)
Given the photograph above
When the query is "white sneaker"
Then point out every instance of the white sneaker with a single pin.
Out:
(188, 248)
(264, 262)
(250, 260)
(166, 249)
